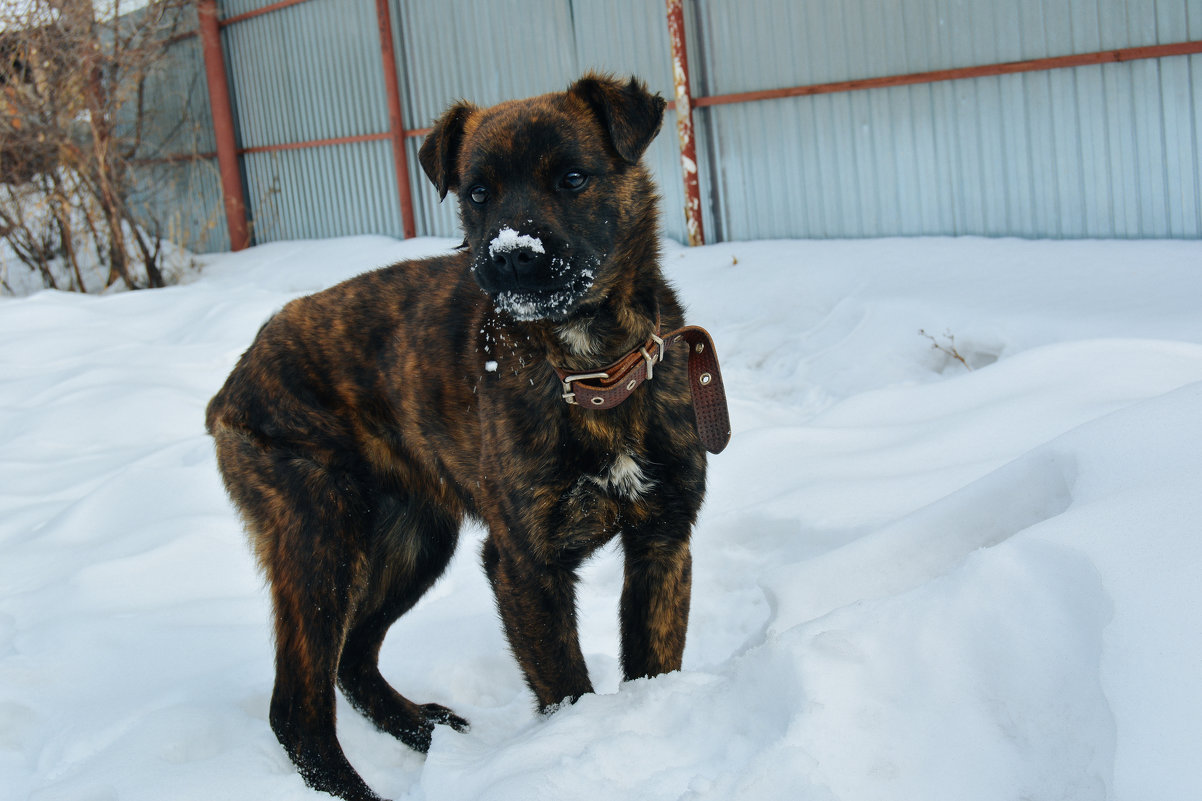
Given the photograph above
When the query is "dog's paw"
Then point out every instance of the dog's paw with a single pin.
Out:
(439, 714)
(419, 735)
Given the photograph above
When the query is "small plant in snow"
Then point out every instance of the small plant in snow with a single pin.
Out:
(947, 346)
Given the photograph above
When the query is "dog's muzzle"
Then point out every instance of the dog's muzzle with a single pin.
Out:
(528, 279)
(515, 262)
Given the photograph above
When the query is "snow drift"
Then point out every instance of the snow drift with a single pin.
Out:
(912, 579)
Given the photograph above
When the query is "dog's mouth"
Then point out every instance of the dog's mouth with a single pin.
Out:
(555, 304)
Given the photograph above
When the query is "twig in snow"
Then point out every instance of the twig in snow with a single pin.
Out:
(949, 348)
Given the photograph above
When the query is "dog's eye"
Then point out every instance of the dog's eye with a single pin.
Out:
(478, 194)
(574, 180)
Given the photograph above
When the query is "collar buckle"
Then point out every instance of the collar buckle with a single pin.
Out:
(653, 360)
(568, 394)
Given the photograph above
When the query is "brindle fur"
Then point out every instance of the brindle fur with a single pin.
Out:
(365, 423)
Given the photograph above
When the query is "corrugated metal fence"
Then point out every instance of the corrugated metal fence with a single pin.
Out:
(1098, 151)
(183, 192)
(1110, 150)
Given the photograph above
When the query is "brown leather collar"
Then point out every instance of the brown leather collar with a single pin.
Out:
(609, 386)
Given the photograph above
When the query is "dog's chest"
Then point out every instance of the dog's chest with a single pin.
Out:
(623, 477)
(599, 501)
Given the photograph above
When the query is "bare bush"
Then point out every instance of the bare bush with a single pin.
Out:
(74, 125)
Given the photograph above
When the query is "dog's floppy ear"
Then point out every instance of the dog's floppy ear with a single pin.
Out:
(439, 154)
(630, 113)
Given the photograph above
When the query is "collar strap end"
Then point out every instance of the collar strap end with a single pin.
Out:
(611, 386)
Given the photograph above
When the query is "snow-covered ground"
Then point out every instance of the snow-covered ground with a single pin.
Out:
(912, 580)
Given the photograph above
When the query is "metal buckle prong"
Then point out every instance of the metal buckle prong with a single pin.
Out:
(568, 394)
(653, 360)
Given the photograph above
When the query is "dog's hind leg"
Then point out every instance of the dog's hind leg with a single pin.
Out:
(308, 525)
(302, 702)
(413, 544)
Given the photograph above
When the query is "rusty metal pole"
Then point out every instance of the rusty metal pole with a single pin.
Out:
(684, 123)
(223, 125)
(396, 126)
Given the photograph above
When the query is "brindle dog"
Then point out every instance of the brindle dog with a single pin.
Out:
(367, 421)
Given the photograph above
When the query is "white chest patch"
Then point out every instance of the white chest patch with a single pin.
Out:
(624, 477)
(577, 338)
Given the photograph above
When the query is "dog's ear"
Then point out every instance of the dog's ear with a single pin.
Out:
(630, 113)
(439, 154)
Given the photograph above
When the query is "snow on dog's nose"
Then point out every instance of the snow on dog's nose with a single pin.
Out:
(518, 257)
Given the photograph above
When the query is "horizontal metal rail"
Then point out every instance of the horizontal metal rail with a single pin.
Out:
(258, 12)
(242, 151)
(959, 73)
(835, 87)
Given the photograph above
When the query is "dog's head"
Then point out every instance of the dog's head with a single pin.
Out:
(549, 190)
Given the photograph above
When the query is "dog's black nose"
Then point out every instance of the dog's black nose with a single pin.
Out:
(521, 265)
(515, 259)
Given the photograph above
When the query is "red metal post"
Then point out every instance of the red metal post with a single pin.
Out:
(223, 125)
(684, 123)
(400, 159)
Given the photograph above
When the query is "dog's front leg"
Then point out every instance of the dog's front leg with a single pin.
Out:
(655, 600)
(537, 603)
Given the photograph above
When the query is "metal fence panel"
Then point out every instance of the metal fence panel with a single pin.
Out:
(1109, 150)
(309, 71)
(312, 72)
(338, 190)
(630, 37)
(181, 197)
(183, 201)
(487, 52)
(484, 52)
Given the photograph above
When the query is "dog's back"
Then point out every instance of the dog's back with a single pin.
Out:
(331, 375)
